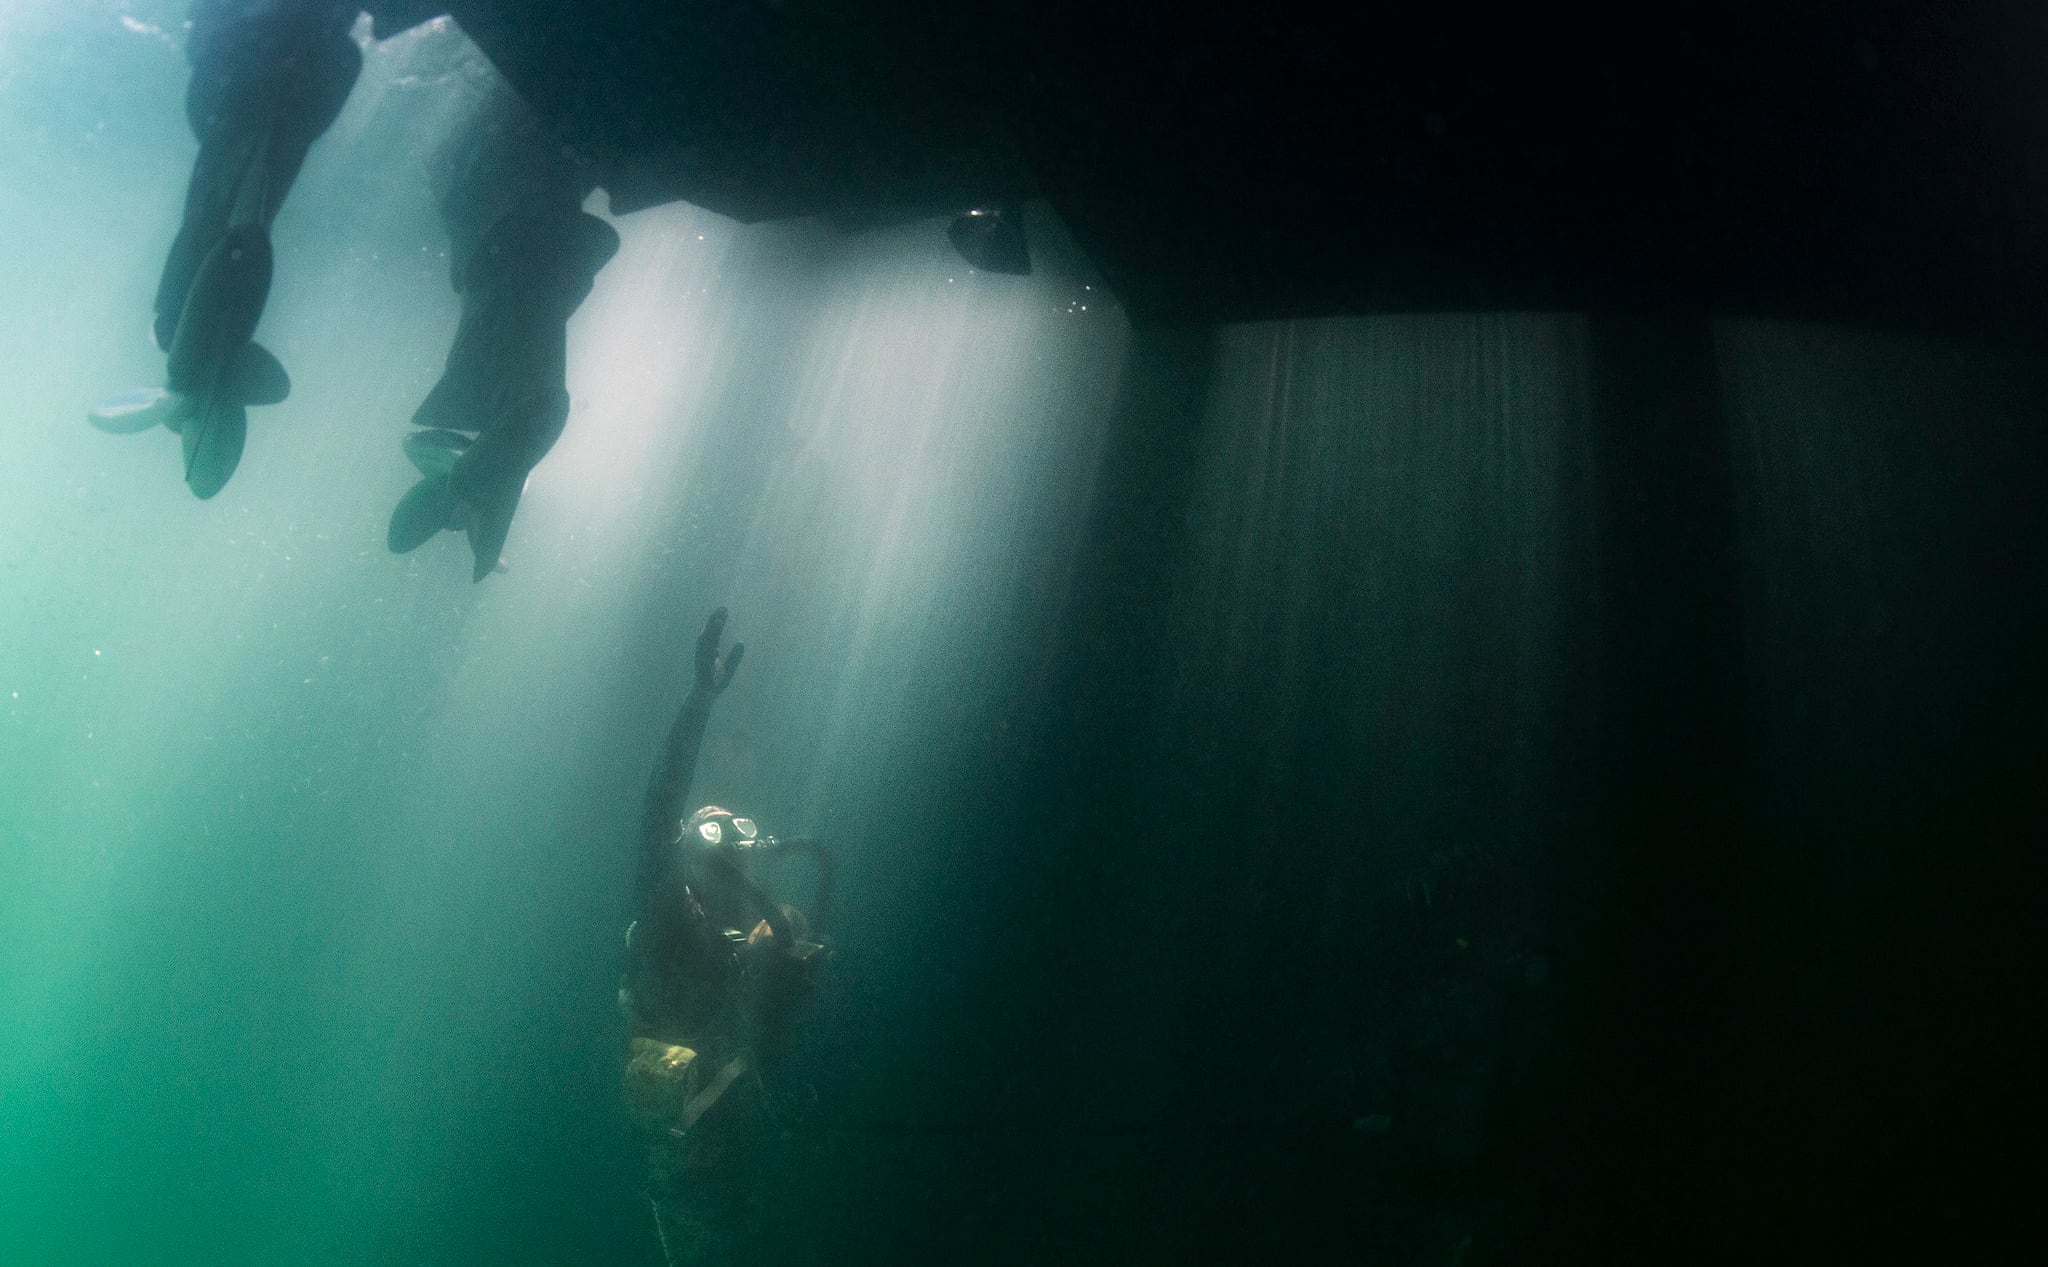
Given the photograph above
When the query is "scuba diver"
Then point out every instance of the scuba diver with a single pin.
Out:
(715, 969)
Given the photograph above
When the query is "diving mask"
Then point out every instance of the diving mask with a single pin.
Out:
(715, 826)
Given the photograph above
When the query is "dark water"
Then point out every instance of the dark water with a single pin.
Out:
(1451, 790)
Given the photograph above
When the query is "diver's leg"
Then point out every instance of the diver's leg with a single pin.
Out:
(702, 1186)
(268, 77)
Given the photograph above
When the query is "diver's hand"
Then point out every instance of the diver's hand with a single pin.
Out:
(714, 671)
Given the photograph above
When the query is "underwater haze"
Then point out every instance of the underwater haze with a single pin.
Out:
(1453, 790)
(318, 858)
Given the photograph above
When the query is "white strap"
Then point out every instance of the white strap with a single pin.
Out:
(701, 1103)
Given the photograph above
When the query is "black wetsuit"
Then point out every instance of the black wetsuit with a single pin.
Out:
(699, 973)
(704, 973)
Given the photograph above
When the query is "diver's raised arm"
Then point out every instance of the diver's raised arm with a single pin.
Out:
(676, 767)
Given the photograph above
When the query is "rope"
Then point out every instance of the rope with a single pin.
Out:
(661, 1232)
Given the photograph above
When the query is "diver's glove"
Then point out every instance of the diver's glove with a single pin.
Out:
(715, 671)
